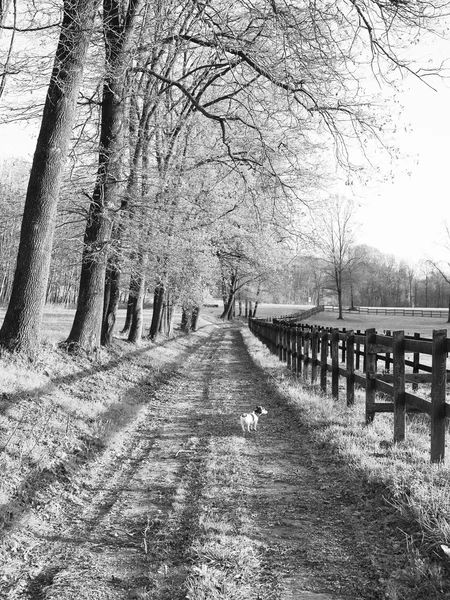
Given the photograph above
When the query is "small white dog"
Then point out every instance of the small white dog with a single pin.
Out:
(251, 419)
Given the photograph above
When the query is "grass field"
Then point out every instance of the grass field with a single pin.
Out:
(58, 321)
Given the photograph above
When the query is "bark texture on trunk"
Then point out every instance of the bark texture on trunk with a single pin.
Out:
(158, 304)
(21, 326)
(111, 300)
(228, 311)
(118, 29)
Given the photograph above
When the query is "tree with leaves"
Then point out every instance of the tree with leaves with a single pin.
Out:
(21, 327)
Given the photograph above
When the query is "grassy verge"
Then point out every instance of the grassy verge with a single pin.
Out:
(402, 472)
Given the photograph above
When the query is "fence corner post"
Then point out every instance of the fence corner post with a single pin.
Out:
(438, 385)
(371, 370)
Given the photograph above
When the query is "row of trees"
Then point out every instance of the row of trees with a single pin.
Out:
(178, 142)
(378, 280)
(339, 270)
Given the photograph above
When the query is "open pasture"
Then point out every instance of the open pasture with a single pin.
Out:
(278, 310)
(410, 325)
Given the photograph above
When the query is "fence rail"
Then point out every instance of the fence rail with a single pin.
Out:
(313, 352)
(302, 314)
(386, 311)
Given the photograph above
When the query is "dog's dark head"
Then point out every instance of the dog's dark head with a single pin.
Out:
(259, 410)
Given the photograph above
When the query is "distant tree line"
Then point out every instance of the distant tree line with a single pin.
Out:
(378, 279)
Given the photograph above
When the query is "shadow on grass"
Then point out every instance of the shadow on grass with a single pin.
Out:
(40, 479)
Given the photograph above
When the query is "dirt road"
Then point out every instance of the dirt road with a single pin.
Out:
(182, 505)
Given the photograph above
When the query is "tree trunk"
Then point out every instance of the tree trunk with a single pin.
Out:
(111, 300)
(158, 302)
(131, 302)
(21, 326)
(165, 318)
(228, 310)
(168, 317)
(137, 322)
(195, 317)
(224, 291)
(258, 292)
(115, 258)
(339, 295)
(186, 319)
(87, 325)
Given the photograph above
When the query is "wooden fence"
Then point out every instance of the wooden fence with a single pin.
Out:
(302, 314)
(313, 352)
(400, 312)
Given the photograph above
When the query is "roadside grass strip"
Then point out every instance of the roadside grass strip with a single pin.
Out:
(225, 558)
(401, 473)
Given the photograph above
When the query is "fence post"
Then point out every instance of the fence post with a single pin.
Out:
(387, 360)
(416, 362)
(289, 347)
(272, 338)
(398, 352)
(358, 351)
(344, 330)
(314, 344)
(335, 363)
(438, 384)
(300, 339)
(306, 337)
(350, 343)
(323, 361)
(279, 341)
(371, 369)
(294, 348)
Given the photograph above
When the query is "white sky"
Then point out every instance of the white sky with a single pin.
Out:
(16, 141)
(404, 216)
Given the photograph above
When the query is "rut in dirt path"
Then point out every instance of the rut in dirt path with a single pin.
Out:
(182, 505)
